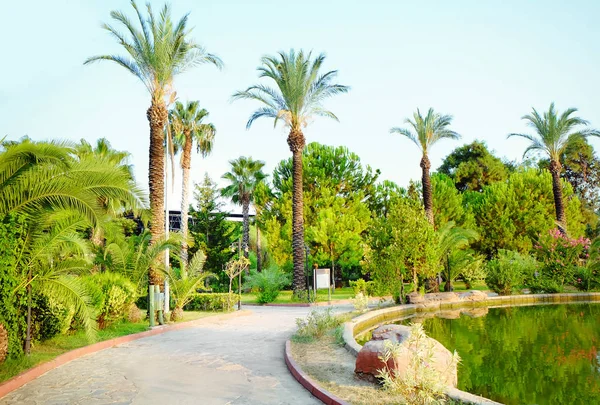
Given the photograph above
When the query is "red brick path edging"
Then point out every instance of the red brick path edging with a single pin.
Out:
(29, 375)
(325, 396)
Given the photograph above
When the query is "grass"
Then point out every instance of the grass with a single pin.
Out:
(42, 352)
(285, 297)
(460, 286)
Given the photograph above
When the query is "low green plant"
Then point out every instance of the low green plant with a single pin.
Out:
(361, 302)
(212, 302)
(419, 384)
(315, 325)
(587, 278)
(267, 283)
(369, 288)
(508, 271)
(112, 295)
(49, 318)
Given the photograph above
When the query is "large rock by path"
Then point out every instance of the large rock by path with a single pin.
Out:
(368, 361)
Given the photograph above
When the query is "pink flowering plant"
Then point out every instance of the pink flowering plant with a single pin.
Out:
(562, 258)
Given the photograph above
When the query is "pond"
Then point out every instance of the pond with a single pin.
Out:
(548, 354)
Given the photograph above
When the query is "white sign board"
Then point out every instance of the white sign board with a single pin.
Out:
(322, 278)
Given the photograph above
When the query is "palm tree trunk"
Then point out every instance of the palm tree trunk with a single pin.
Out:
(427, 193)
(555, 168)
(246, 225)
(296, 143)
(258, 250)
(186, 165)
(157, 117)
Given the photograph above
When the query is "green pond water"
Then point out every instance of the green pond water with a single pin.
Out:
(548, 354)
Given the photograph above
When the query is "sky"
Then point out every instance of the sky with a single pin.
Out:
(487, 63)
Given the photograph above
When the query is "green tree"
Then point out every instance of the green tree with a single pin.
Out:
(244, 177)
(298, 96)
(337, 232)
(157, 51)
(212, 233)
(553, 133)
(426, 132)
(402, 244)
(473, 166)
(511, 215)
(187, 128)
(448, 203)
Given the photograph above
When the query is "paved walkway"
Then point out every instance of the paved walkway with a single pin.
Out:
(236, 361)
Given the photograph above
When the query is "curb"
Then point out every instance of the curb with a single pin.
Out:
(29, 375)
(322, 394)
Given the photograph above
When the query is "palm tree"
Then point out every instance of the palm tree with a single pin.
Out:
(58, 197)
(453, 243)
(244, 177)
(553, 134)
(157, 51)
(187, 128)
(425, 132)
(299, 92)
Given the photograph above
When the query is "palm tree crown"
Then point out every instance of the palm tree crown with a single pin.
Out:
(244, 176)
(428, 130)
(554, 132)
(299, 93)
(186, 120)
(158, 51)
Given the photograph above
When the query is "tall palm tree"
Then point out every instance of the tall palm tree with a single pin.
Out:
(244, 177)
(157, 51)
(187, 128)
(553, 134)
(425, 132)
(297, 97)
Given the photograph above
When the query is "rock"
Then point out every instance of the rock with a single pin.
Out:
(368, 362)
(474, 296)
(442, 297)
(415, 298)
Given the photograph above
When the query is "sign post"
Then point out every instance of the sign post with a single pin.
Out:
(322, 279)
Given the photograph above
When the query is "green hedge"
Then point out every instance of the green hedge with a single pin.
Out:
(213, 302)
(11, 313)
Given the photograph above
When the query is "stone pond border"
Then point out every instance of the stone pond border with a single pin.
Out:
(29, 375)
(322, 394)
(370, 319)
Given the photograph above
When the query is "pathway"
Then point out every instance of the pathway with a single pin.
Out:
(236, 361)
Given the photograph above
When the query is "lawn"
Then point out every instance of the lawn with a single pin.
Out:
(285, 297)
(45, 351)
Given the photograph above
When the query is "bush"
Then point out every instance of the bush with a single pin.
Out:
(212, 302)
(587, 279)
(561, 258)
(49, 318)
(365, 287)
(315, 325)
(508, 271)
(361, 302)
(112, 295)
(267, 283)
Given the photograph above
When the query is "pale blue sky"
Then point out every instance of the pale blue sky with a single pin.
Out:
(485, 62)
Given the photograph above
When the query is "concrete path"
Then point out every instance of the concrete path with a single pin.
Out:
(236, 361)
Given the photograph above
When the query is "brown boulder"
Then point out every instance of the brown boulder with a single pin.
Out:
(3, 343)
(368, 361)
(474, 295)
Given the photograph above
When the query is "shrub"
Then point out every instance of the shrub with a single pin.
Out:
(267, 283)
(49, 318)
(420, 383)
(361, 302)
(369, 288)
(508, 271)
(561, 257)
(315, 325)
(212, 302)
(587, 279)
(112, 295)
